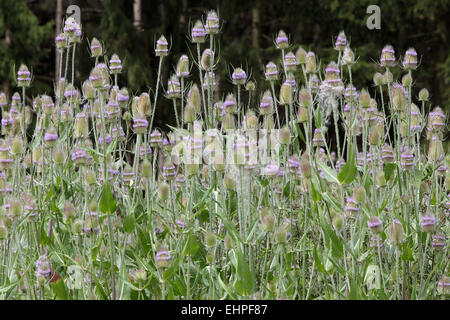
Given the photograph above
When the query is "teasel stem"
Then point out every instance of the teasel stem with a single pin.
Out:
(156, 94)
(67, 62)
(239, 110)
(175, 111)
(201, 80)
(210, 84)
(336, 128)
(182, 101)
(409, 110)
(136, 163)
(73, 61)
(272, 85)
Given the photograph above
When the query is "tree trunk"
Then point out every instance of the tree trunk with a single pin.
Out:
(255, 24)
(58, 19)
(137, 14)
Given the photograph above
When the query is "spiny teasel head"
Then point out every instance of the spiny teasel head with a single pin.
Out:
(375, 224)
(351, 207)
(79, 155)
(376, 133)
(61, 42)
(387, 58)
(271, 71)
(182, 68)
(284, 135)
(122, 98)
(190, 113)
(47, 104)
(388, 77)
(436, 121)
(351, 95)
(115, 64)
(96, 48)
(194, 98)
(416, 119)
(168, 142)
(407, 80)
(282, 41)
(304, 98)
(88, 90)
(198, 32)
(318, 138)
(81, 126)
(428, 222)
(300, 55)
(230, 104)
(209, 80)
(250, 86)
(66, 113)
(162, 47)
(163, 257)
(407, 159)
(144, 105)
(51, 137)
(15, 100)
(173, 87)
(37, 104)
(239, 76)
(251, 120)
(399, 97)
(6, 160)
(140, 124)
(266, 104)
(3, 100)
(410, 59)
(72, 94)
(364, 99)
(286, 93)
(23, 77)
(212, 25)
(206, 58)
(293, 164)
(348, 58)
(439, 241)
(435, 150)
(341, 41)
(396, 234)
(332, 77)
(311, 63)
(290, 62)
(168, 169)
(313, 83)
(99, 77)
(155, 139)
(71, 27)
(228, 122)
(424, 95)
(378, 79)
(43, 268)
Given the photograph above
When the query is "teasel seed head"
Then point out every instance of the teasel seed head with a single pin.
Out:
(212, 23)
(396, 233)
(282, 41)
(239, 76)
(182, 68)
(162, 49)
(424, 95)
(300, 55)
(341, 41)
(96, 48)
(198, 32)
(271, 71)
(311, 64)
(387, 58)
(115, 64)
(266, 104)
(410, 59)
(194, 98)
(206, 60)
(23, 76)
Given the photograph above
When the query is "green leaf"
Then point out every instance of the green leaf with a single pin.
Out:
(348, 172)
(107, 202)
(246, 281)
(355, 291)
(328, 172)
(389, 170)
(59, 289)
(129, 223)
(319, 264)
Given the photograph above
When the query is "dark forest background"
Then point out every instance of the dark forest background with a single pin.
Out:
(28, 29)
